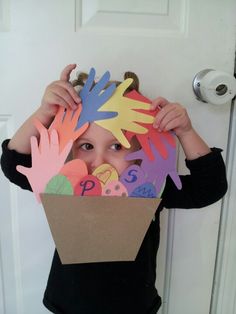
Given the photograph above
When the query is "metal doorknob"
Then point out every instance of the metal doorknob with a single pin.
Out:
(214, 87)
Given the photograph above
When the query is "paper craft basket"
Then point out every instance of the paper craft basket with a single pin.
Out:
(97, 229)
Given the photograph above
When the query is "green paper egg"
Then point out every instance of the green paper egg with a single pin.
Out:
(59, 184)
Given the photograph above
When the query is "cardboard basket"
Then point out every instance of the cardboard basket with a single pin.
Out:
(97, 229)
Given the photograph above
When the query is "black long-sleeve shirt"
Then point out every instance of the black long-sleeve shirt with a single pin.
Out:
(123, 287)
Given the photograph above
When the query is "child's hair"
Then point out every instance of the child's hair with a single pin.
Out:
(82, 77)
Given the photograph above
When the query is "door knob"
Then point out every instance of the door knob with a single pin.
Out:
(214, 87)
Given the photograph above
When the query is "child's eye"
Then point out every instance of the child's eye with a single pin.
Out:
(116, 146)
(86, 146)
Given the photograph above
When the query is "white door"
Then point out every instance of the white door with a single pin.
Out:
(166, 43)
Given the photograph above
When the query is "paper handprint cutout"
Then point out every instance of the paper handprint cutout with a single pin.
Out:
(93, 97)
(47, 160)
(157, 138)
(128, 116)
(157, 170)
(125, 116)
(65, 123)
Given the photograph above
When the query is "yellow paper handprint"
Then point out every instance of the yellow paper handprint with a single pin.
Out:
(127, 116)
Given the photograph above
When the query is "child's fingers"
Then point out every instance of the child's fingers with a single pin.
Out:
(162, 114)
(159, 102)
(67, 91)
(59, 96)
(57, 100)
(171, 125)
(170, 116)
(39, 126)
(65, 74)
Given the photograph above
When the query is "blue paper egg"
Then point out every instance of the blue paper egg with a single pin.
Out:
(146, 190)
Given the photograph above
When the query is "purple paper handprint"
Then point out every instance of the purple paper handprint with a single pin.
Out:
(93, 97)
(157, 170)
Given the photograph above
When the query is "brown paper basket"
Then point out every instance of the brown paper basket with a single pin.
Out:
(97, 229)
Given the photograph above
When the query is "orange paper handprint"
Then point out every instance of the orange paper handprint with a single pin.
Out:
(65, 123)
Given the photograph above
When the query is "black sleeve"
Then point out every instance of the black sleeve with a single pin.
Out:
(9, 160)
(205, 185)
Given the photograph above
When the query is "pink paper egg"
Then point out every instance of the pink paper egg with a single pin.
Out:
(89, 185)
(114, 188)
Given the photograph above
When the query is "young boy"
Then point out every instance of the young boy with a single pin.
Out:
(117, 287)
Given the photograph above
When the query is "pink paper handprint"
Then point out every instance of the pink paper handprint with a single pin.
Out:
(47, 160)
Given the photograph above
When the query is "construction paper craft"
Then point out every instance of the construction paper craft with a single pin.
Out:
(127, 117)
(65, 123)
(114, 188)
(46, 161)
(74, 170)
(157, 170)
(105, 173)
(157, 138)
(132, 177)
(85, 226)
(89, 185)
(59, 184)
(98, 229)
(145, 190)
(93, 97)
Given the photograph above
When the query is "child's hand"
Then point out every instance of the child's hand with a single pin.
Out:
(172, 116)
(60, 93)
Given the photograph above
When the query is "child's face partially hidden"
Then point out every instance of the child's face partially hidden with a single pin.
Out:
(98, 146)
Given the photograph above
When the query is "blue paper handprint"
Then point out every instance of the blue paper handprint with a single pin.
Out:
(157, 170)
(93, 97)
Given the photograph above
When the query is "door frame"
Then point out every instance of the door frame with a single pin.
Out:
(223, 298)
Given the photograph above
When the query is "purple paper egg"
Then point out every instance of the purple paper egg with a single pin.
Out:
(132, 177)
